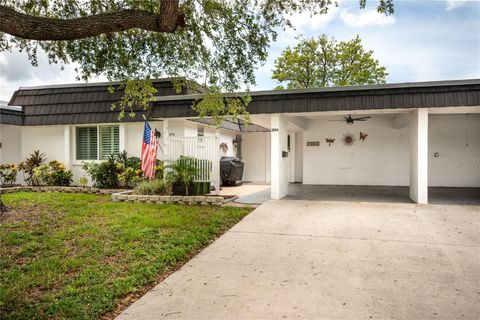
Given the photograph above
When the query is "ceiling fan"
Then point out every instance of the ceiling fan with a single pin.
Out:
(350, 120)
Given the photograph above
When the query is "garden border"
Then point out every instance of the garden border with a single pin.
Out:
(127, 196)
(122, 195)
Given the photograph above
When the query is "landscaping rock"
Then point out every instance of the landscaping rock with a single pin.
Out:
(120, 197)
(176, 199)
(154, 198)
(200, 199)
(132, 197)
(143, 198)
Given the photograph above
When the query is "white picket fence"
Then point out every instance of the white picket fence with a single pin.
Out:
(205, 151)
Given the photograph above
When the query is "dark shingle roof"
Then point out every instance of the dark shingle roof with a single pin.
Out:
(91, 103)
(78, 103)
(455, 93)
(11, 116)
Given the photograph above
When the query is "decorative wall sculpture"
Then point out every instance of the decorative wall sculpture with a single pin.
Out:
(329, 141)
(363, 136)
(224, 147)
(348, 139)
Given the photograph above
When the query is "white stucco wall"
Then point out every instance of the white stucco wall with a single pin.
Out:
(382, 159)
(256, 156)
(47, 139)
(134, 136)
(10, 138)
(225, 137)
(456, 138)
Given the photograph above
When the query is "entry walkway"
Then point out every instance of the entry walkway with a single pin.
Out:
(323, 260)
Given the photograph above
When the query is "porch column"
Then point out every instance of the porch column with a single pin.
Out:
(419, 156)
(165, 138)
(66, 147)
(122, 137)
(279, 157)
(216, 163)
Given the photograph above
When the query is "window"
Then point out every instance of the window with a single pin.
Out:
(109, 141)
(87, 143)
(93, 143)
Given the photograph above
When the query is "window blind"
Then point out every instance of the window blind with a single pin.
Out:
(86, 143)
(109, 141)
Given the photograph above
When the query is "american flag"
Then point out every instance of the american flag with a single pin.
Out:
(149, 152)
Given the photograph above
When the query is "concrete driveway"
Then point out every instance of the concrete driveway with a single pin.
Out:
(330, 260)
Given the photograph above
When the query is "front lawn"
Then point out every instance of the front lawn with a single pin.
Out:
(81, 256)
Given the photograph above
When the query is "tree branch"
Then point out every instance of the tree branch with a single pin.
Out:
(42, 28)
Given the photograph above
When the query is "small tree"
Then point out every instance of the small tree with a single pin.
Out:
(323, 62)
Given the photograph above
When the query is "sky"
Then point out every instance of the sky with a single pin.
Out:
(423, 41)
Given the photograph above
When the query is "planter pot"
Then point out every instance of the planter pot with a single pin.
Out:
(178, 189)
(202, 188)
(206, 187)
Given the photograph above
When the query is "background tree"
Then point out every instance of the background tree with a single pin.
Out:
(323, 62)
(216, 42)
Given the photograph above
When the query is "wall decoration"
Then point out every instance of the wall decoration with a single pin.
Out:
(224, 147)
(348, 139)
(329, 141)
(313, 143)
(363, 136)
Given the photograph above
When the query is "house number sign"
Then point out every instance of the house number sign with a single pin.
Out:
(313, 143)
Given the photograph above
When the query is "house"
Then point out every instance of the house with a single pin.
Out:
(411, 134)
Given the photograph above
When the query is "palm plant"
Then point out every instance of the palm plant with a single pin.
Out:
(28, 166)
(183, 171)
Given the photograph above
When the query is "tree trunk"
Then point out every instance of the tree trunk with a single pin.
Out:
(3, 208)
(32, 27)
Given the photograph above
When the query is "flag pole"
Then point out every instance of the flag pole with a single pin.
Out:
(144, 118)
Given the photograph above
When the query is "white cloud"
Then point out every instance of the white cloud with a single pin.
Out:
(16, 71)
(453, 4)
(305, 21)
(366, 18)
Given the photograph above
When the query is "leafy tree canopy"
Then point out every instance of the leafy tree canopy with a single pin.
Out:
(216, 42)
(323, 62)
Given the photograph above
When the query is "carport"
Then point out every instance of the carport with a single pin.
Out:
(417, 135)
(398, 147)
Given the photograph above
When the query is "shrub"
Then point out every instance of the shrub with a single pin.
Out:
(156, 186)
(104, 174)
(130, 177)
(29, 164)
(8, 174)
(83, 181)
(53, 174)
(119, 170)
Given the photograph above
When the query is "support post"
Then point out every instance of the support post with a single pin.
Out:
(122, 137)
(279, 156)
(165, 138)
(419, 156)
(66, 147)
(216, 163)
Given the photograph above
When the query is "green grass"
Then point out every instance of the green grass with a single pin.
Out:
(80, 256)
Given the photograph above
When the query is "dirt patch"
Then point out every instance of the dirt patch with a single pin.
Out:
(27, 213)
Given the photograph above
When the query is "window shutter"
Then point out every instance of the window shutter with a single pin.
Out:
(109, 141)
(86, 143)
